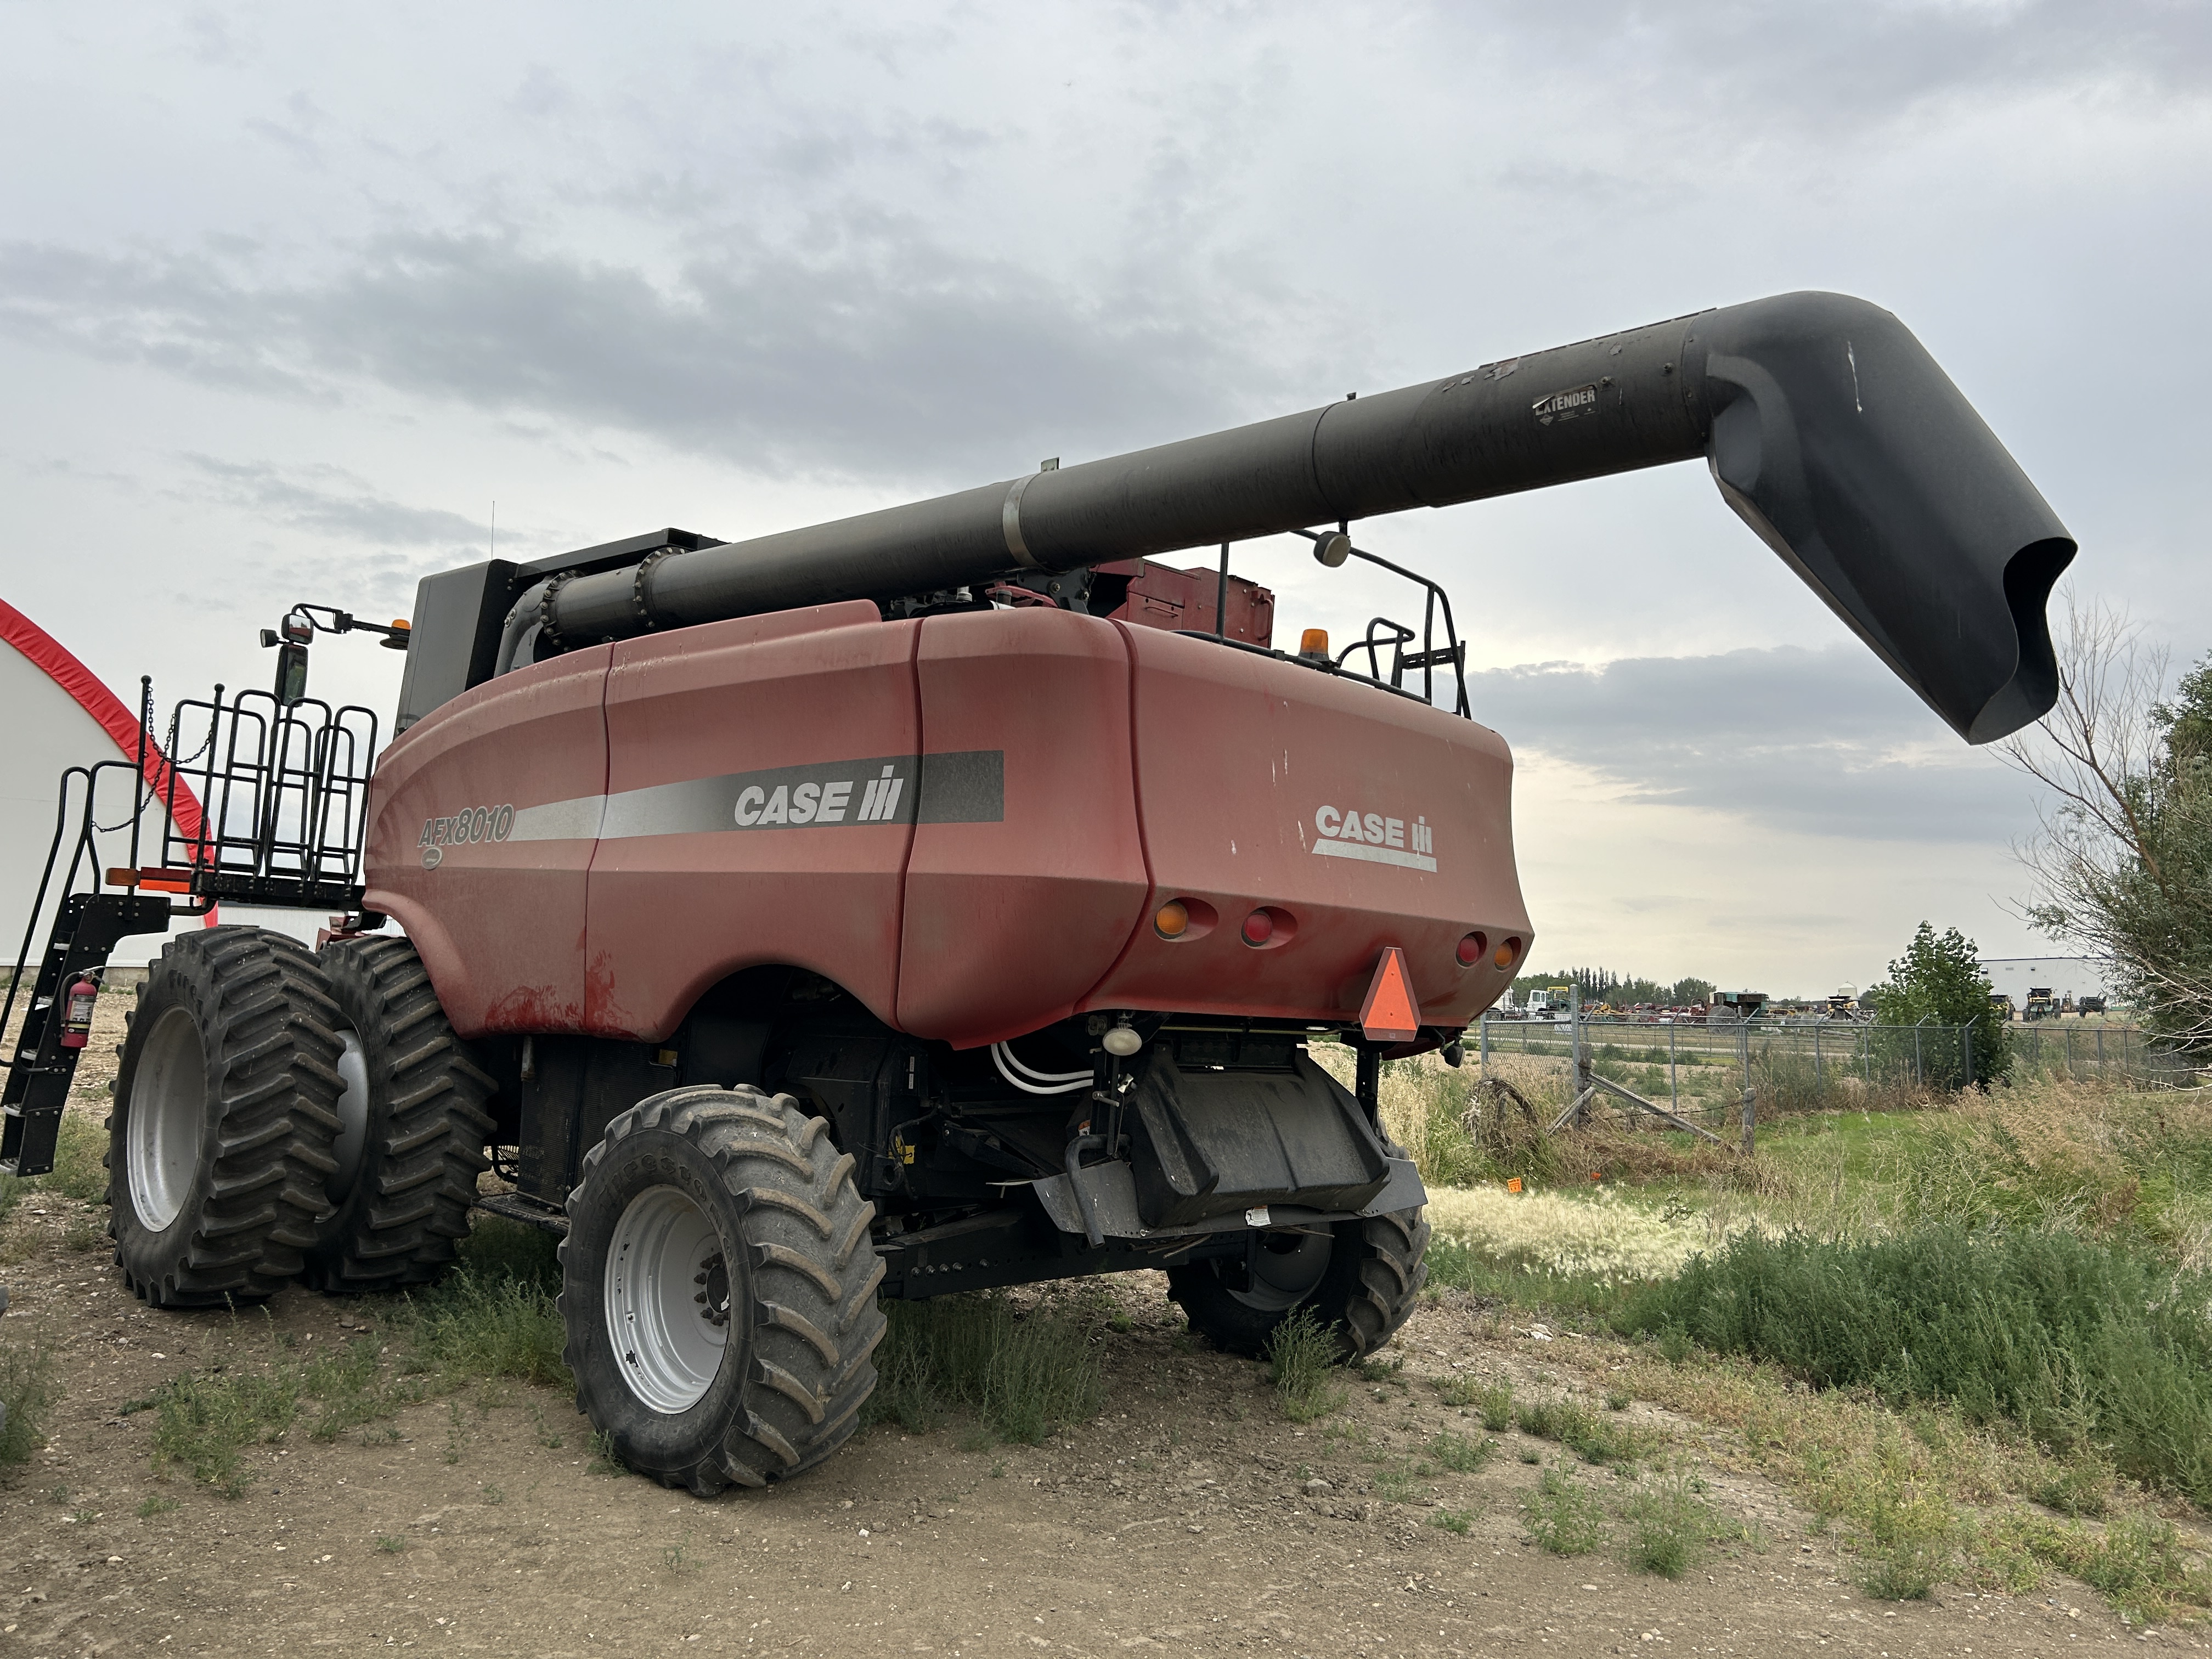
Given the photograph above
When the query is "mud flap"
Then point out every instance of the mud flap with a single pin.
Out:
(1209, 1143)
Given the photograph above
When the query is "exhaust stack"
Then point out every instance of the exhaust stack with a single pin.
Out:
(1827, 427)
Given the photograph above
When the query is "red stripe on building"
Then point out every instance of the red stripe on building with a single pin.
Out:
(92, 694)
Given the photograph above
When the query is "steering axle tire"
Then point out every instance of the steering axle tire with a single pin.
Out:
(719, 1288)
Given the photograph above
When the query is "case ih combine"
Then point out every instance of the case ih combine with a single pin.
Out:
(942, 898)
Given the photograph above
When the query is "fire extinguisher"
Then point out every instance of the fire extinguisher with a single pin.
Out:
(77, 1013)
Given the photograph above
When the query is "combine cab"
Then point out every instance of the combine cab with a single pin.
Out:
(950, 898)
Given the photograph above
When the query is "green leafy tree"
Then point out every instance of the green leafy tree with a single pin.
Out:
(1939, 981)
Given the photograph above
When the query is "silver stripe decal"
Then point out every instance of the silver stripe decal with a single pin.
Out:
(1360, 849)
(559, 820)
(956, 787)
(1010, 516)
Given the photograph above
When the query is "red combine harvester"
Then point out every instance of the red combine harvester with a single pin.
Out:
(943, 898)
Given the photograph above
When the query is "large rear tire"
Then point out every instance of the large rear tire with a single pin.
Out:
(719, 1288)
(1361, 1279)
(225, 1115)
(413, 1123)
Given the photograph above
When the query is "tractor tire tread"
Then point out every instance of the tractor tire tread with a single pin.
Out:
(265, 1013)
(814, 1322)
(409, 1208)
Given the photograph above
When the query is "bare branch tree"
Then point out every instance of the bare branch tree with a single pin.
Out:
(2117, 852)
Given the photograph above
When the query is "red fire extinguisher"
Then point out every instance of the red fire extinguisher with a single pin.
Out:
(77, 1013)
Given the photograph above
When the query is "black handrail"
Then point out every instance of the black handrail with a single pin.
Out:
(1430, 657)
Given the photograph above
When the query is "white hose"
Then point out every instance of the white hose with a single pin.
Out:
(1035, 1075)
(1069, 1082)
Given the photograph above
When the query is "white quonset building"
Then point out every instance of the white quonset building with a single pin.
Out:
(2063, 977)
(56, 713)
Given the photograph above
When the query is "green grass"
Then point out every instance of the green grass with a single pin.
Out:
(1457, 1390)
(1301, 1359)
(1024, 1371)
(80, 1160)
(1461, 1454)
(472, 1325)
(1563, 1514)
(79, 1171)
(1670, 1525)
(1580, 1429)
(2072, 1341)
(29, 1385)
(208, 1422)
(1454, 1266)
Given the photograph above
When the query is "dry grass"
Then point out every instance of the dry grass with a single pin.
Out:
(2131, 1168)
(1598, 1236)
(1926, 1496)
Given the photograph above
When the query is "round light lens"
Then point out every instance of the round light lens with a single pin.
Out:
(1471, 950)
(1506, 953)
(1258, 927)
(1171, 920)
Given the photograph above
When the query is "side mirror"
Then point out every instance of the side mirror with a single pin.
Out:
(291, 673)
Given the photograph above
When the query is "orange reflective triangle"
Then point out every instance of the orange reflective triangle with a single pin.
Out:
(1390, 1014)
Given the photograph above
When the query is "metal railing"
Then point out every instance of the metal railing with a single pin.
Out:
(284, 792)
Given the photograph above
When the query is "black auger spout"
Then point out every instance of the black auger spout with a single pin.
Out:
(1827, 425)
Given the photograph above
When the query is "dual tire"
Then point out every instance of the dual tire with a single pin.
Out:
(283, 1115)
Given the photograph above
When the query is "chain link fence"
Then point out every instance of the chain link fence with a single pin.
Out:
(1701, 1071)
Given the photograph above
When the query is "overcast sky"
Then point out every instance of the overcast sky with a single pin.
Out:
(289, 296)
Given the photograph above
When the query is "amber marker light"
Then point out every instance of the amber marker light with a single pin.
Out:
(1506, 953)
(1171, 920)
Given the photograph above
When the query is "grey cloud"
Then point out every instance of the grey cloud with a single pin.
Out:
(1819, 742)
(330, 501)
(1821, 66)
(874, 350)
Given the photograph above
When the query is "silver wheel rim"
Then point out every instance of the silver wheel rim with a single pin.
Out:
(1283, 1278)
(667, 1299)
(352, 1142)
(167, 1115)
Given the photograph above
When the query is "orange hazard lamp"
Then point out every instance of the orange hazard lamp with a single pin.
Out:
(1390, 1014)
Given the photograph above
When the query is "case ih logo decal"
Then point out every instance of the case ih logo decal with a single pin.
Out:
(1352, 833)
(964, 788)
(475, 823)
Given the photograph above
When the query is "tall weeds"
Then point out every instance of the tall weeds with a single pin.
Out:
(1024, 1369)
(2076, 1342)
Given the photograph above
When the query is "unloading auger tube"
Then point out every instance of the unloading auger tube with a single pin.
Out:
(1827, 426)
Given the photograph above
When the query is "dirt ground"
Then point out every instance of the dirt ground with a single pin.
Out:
(1190, 1517)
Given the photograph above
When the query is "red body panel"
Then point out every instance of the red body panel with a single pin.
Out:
(673, 912)
(1008, 924)
(968, 821)
(500, 922)
(1236, 754)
